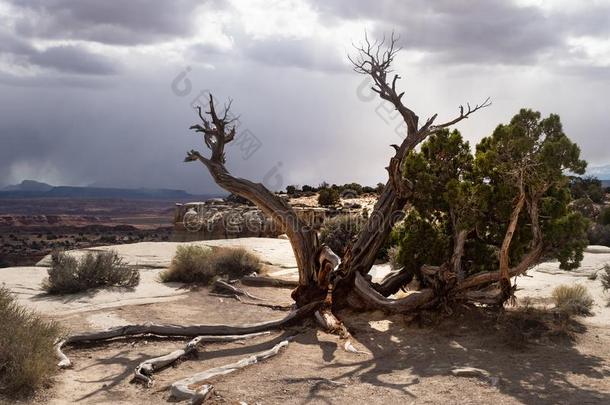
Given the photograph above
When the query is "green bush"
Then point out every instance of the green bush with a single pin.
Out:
(573, 299)
(27, 357)
(95, 269)
(419, 242)
(192, 264)
(328, 197)
(339, 231)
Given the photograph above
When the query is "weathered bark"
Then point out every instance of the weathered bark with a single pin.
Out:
(508, 236)
(196, 387)
(393, 282)
(458, 252)
(374, 300)
(263, 281)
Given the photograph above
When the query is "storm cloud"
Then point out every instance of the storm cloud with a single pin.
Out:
(103, 92)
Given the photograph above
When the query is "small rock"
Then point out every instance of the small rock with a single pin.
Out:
(283, 236)
(476, 372)
(470, 372)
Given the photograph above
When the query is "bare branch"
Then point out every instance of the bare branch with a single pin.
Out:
(375, 60)
(463, 115)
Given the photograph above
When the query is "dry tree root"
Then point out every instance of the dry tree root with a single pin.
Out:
(264, 281)
(144, 371)
(181, 330)
(198, 390)
(220, 285)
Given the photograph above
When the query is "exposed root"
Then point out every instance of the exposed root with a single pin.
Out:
(374, 299)
(329, 322)
(231, 289)
(144, 371)
(181, 330)
(275, 307)
(393, 282)
(263, 281)
(198, 390)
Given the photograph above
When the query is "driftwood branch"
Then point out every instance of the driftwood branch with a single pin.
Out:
(144, 371)
(197, 389)
(224, 286)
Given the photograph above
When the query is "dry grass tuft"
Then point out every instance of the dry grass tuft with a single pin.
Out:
(27, 359)
(572, 299)
(100, 269)
(197, 264)
(604, 276)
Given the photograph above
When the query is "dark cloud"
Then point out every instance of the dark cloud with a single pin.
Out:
(111, 21)
(303, 53)
(473, 31)
(73, 59)
(307, 53)
(79, 123)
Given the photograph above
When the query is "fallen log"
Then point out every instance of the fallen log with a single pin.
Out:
(264, 281)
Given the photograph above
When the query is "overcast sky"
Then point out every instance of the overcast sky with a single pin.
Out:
(100, 92)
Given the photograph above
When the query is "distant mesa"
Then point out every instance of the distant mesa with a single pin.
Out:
(36, 189)
(29, 185)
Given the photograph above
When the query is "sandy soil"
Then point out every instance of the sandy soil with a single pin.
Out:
(406, 361)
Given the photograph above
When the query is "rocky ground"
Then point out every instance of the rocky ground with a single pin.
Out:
(403, 360)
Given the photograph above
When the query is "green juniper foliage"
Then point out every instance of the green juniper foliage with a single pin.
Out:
(456, 192)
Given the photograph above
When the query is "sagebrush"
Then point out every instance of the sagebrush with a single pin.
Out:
(573, 299)
(339, 231)
(95, 269)
(197, 264)
(27, 358)
(604, 276)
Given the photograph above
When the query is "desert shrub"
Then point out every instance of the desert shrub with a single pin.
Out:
(599, 234)
(393, 252)
(328, 196)
(27, 358)
(339, 231)
(192, 264)
(604, 276)
(572, 299)
(96, 269)
(291, 190)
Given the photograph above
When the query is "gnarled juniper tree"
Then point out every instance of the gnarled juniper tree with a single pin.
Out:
(473, 221)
